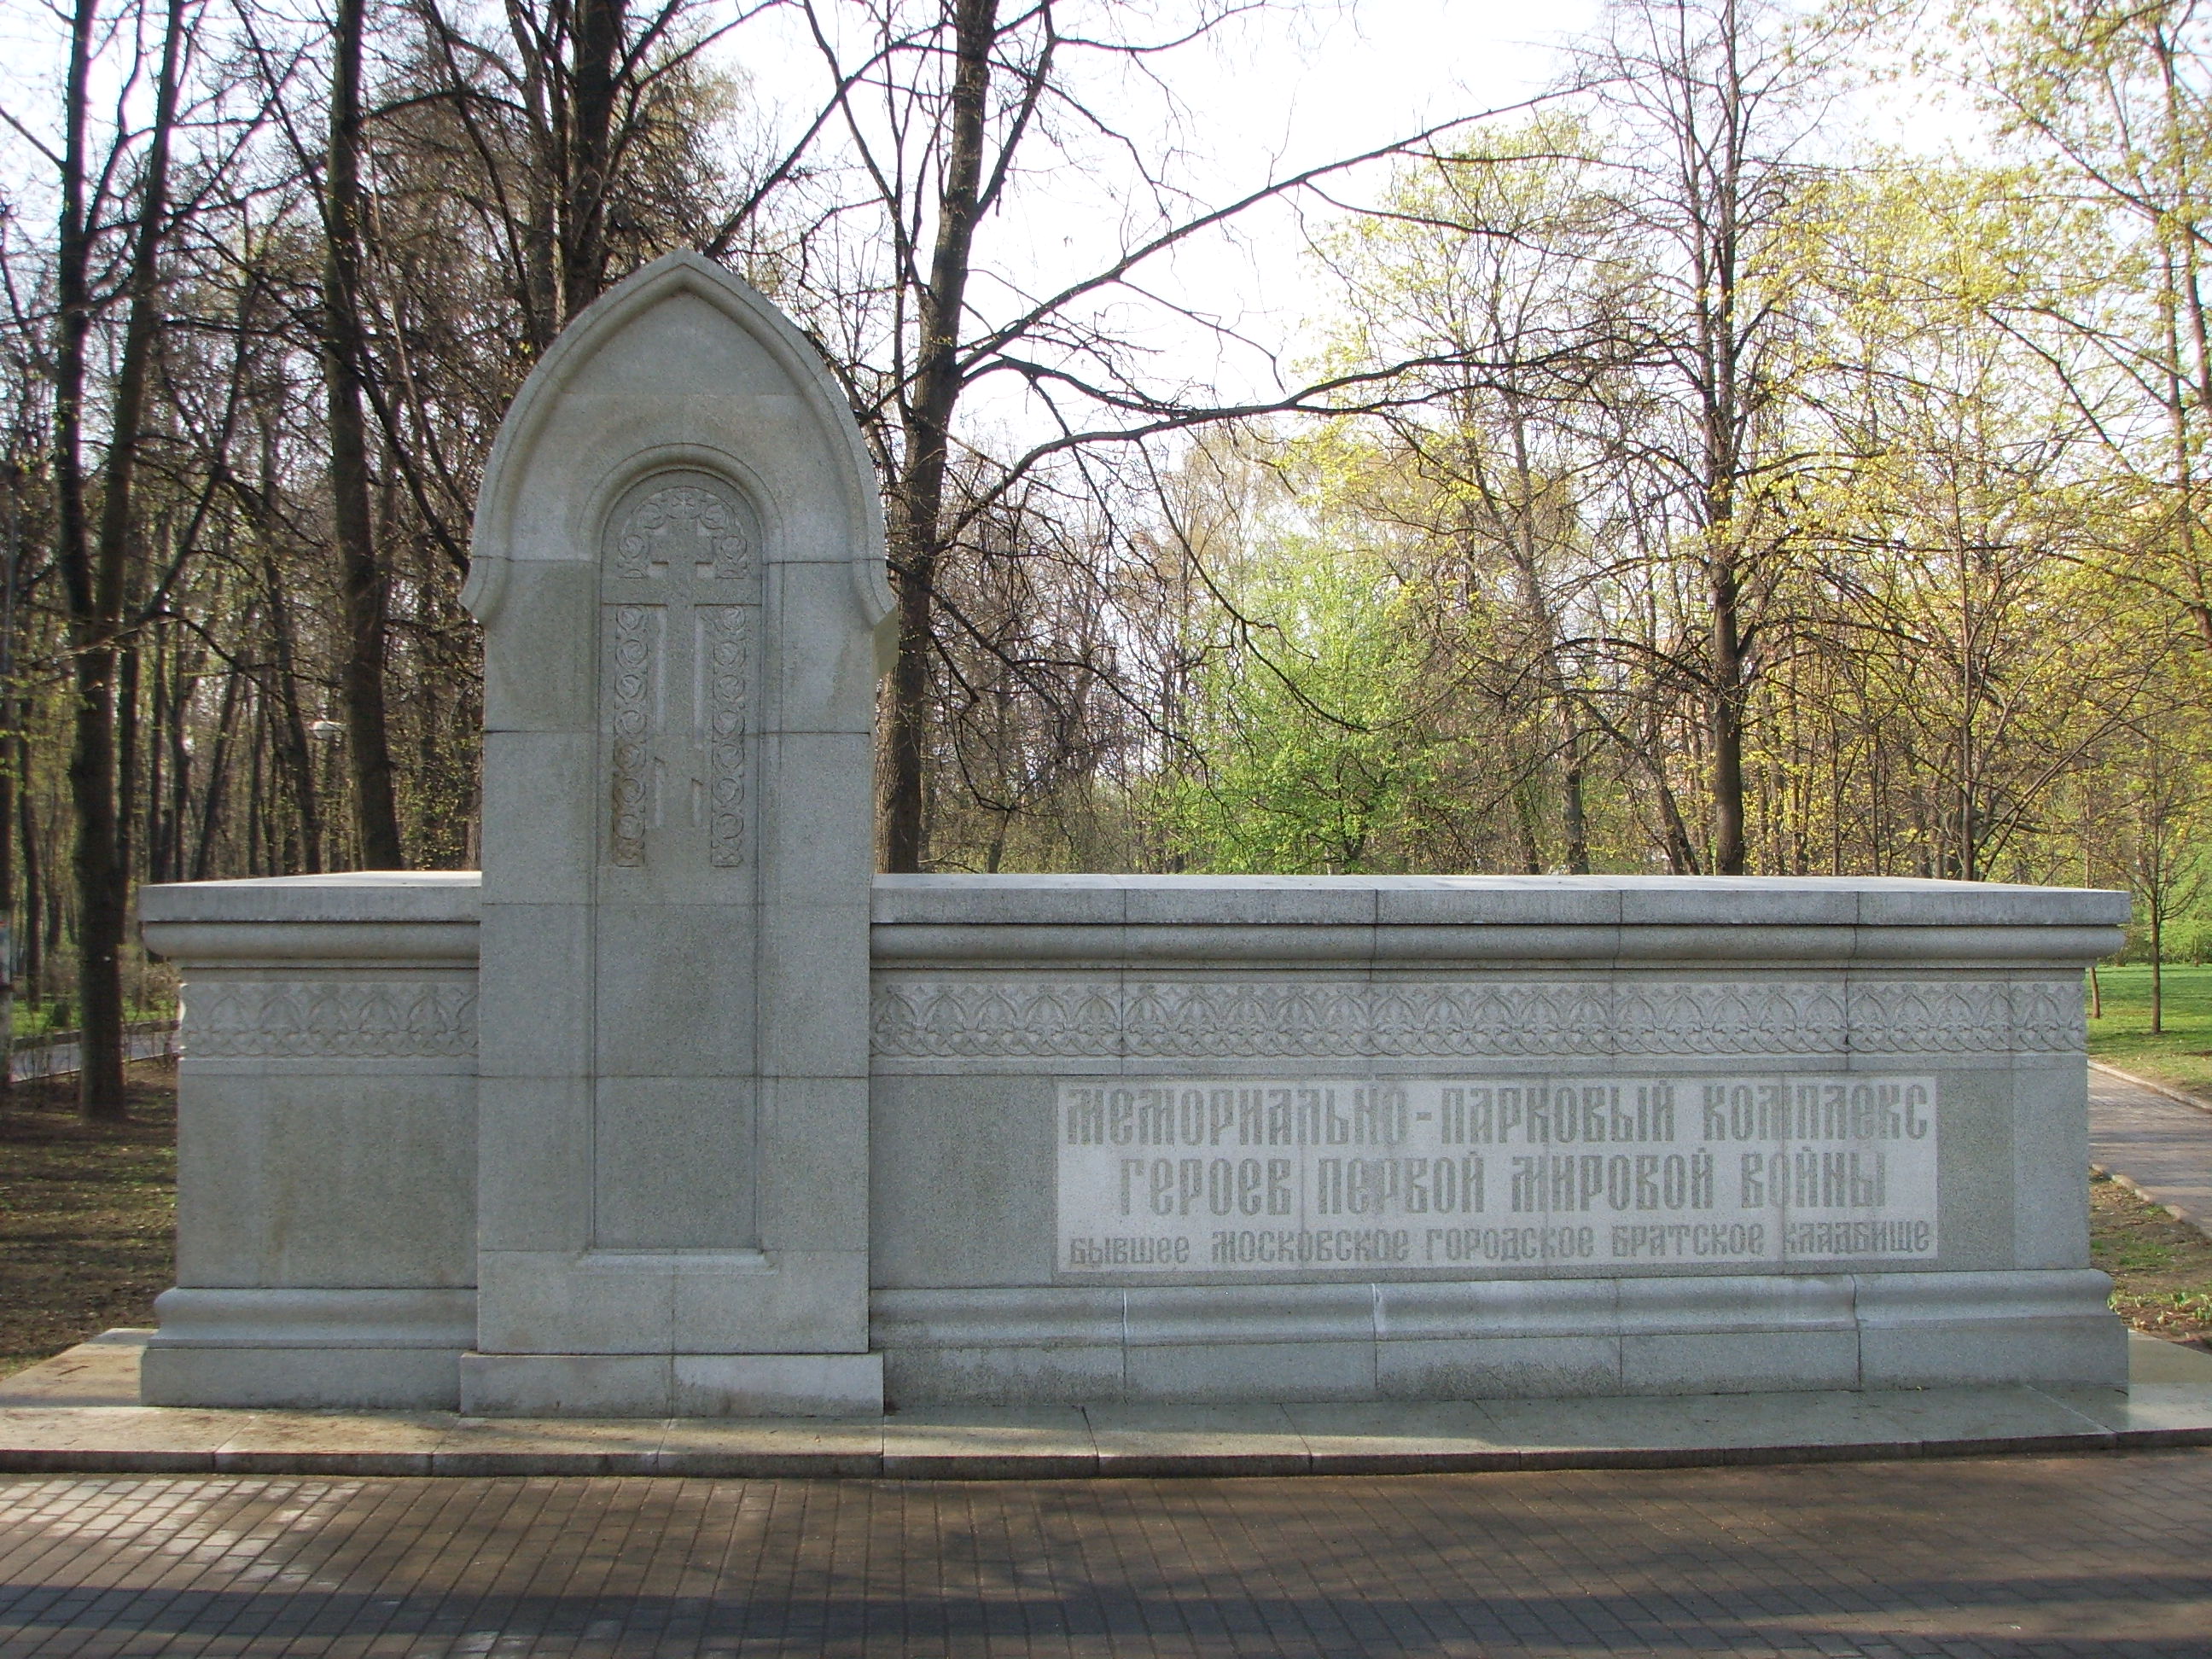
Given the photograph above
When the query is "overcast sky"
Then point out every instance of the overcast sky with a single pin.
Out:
(1270, 92)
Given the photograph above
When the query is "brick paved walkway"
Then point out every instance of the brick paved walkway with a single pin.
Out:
(2163, 1147)
(2014, 1557)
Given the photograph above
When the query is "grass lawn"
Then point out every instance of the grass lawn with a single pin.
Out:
(2182, 1054)
(88, 1213)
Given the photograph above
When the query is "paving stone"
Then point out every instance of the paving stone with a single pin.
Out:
(2162, 1147)
(2015, 1557)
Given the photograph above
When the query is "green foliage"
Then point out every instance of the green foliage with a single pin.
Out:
(1320, 753)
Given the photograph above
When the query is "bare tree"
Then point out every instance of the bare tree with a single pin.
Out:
(1711, 96)
(364, 583)
(93, 565)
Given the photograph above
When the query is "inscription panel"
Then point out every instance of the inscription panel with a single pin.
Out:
(1204, 1176)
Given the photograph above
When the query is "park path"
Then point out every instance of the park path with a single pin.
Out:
(2161, 1145)
(2002, 1557)
(147, 1040)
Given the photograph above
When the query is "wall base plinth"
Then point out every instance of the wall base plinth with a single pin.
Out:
(671, 1385)
(309, 1349)
(1493, 1340)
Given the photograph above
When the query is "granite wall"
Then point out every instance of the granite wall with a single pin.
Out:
(1198, 1139)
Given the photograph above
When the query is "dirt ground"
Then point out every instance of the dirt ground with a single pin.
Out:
(88, 1213)
(88, 1216)
(2161, 1268)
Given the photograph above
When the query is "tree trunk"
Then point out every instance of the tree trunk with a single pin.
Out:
(1524, 823)
(363, 589)
(918, 510)
(94, 575)
(2157, 973)
(1575, 819)
(1727, 723)
(218, 778)
(593, 85)
(127, 748)
(34, 886)
(92, 752)
(8, 707)
(153, 840)
(298, 750)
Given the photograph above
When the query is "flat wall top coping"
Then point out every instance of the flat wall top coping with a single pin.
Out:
(1064, 901)
(450, 897)
(430, 897)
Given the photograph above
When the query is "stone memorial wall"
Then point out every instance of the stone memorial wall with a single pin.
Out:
(676, 1110)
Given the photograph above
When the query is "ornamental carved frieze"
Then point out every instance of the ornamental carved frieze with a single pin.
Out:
(334, 1020)
(722, 650)
(1044, 1018)
(636, 665)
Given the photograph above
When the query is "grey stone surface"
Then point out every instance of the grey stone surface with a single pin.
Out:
(663, 1151)
(1738, 1362)
(531, 1302)
(2050, 1141)
(1498, 1367)
(779, 1385)
(961, 1181)
(315, 1348)
(1448, 1311)
(79, 1412)
(381, 899)
(1872, 900)
(1497, 1337)
(566, 1385)
(1004, 1374)
(808, 1300)
(1230, 1372)
(326, 1140)
(2088, 1349)
(102, 1370)
(677, 844)
(391, 1200)
(319, 1379)
(540, 1128)
(535, 771)
(314, 1318)
(807, 1128)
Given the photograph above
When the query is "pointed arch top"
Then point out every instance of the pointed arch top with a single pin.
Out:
(657, 407)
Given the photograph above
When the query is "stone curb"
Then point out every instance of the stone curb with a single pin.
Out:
(2179, 1096)
(1220, 1462)
(2128, 1183)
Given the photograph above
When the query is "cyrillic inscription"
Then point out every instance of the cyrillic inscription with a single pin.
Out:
(1200, 1174)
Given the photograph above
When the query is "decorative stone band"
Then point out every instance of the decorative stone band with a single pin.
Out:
(1040, 1018)
(337, 1019)
(1442, 1311)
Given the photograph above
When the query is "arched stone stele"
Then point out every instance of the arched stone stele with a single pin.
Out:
(678, 564)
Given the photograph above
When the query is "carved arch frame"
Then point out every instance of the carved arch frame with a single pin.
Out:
(492, 534)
